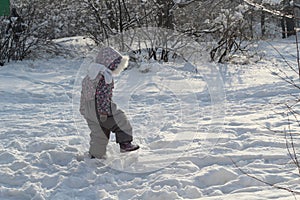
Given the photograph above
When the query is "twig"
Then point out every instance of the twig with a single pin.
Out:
(294, 154)
(298, 57)
(284, 59)
(265, 182)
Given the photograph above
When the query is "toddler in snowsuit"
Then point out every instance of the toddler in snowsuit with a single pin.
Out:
(96, 104)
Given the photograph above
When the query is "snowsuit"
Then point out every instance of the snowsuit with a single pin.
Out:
(96, 100)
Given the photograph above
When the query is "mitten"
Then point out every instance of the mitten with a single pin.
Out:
(103, 118)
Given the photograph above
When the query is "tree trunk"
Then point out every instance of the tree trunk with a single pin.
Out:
(290, 26)
(263, 20)
(297, 13)
(165, 15)
(283, 27)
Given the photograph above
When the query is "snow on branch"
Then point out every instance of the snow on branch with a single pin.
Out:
(297, 5)
(273, 12)
(183, 3)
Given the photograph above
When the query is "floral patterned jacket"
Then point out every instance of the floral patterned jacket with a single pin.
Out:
(98, 90)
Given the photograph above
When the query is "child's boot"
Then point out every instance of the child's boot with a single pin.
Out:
(127, 146)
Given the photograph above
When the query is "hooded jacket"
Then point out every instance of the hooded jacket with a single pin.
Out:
(98, 84)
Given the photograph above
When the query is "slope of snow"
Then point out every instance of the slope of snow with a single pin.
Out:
(183, 155)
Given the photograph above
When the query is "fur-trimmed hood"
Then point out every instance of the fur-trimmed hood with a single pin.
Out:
(112, 59)
(106, 62)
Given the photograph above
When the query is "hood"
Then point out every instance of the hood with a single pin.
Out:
(112, 60)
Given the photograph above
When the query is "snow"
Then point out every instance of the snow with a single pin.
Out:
(186, 150)
(271, 2)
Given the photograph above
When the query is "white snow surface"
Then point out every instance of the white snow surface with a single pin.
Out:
(44, 140)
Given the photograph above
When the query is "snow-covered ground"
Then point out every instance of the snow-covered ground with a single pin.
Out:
(184, 153)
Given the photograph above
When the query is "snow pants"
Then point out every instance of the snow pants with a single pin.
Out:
(100, 131)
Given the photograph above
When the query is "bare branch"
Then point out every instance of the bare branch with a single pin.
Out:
(263, 8)
(265, 182)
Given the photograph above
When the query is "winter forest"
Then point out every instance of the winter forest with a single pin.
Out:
(227, 25)
(223, 124)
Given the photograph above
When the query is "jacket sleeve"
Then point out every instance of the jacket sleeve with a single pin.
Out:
(82, 96)
(103, 97)
(81, 109)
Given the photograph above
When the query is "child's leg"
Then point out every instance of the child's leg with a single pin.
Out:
(119, 124)
(99, 139)
(122, 127)
(99, 136)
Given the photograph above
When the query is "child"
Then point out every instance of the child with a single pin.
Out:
(96, 104)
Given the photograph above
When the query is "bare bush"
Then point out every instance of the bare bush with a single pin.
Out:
(23, 32)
